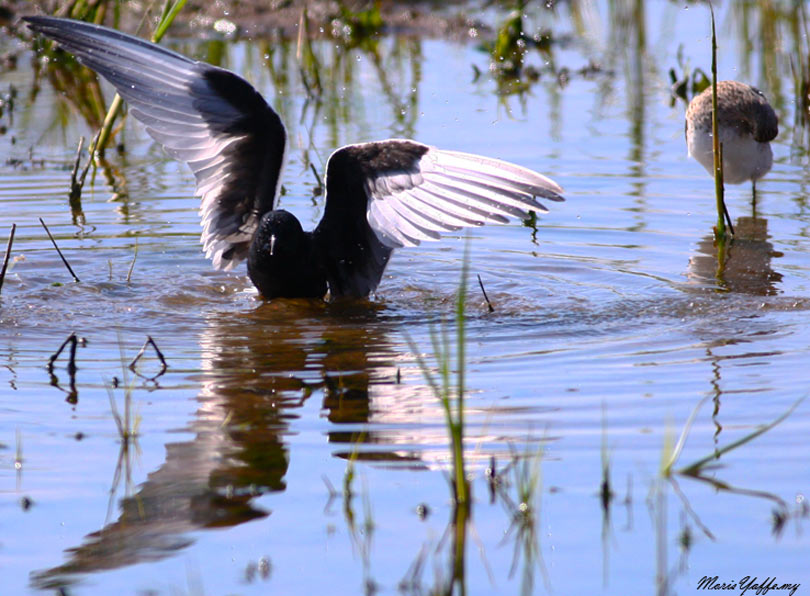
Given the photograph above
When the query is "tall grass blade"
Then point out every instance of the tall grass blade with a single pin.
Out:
(440, 383)
(676, 452)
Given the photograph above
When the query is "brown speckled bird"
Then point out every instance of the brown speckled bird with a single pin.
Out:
(747, 124)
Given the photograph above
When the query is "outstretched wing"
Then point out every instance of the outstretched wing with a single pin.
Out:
(416, 192)
(208, 117)
(389, 194)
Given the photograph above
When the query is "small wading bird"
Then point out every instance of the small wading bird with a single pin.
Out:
(747, 124)
(379, 196)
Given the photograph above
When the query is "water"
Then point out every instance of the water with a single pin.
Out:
(610, 326)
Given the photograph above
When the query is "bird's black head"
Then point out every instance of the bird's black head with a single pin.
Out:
(282, 262)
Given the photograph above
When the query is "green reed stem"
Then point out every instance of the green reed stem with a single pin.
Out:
(458, 435)
(167, 18)
(676, 452)
(442, 387)
(717, 147)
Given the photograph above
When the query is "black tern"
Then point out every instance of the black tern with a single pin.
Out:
(379, 195)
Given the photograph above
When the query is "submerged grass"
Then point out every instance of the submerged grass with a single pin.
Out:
(510, 45)
(359, 28)
(696, 467)
(127, 424)
(72, 392)
(362, 536)
(76, 179)
(308, 64)
(18, 451)
(696, 471)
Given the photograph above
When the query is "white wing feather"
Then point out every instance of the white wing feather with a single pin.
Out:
(448, 190)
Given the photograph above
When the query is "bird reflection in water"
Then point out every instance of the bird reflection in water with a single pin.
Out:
(258, 369)
(743, 265)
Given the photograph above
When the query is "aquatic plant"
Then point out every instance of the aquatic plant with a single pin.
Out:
(524, 513)
(358, 28)
(451, 397)
(91, 102)
(690, 83)
(605, 491)
(308, 64)
(717, 151)
(362, 536)
(670, 457)
(127, 424)
(77, 180)
(92, 12)
(510, 44)
(132, 268)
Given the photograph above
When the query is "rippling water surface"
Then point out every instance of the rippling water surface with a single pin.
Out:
(611, 322)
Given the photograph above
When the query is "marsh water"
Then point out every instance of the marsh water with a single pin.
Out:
(612, 323)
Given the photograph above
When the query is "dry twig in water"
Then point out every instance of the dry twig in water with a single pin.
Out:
(76, 180)
(8, 255)
(71, 367)
(64, 260)
(72, 393)
(163, 365)
(489, 304)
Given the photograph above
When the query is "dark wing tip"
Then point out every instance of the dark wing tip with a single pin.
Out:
(40, 23)
(206, 116)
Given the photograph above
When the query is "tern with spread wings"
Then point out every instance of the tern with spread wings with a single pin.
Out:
(379, 196)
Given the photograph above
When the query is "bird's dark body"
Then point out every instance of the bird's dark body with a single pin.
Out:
(282, 262)
(343, 253)
(356, 257)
